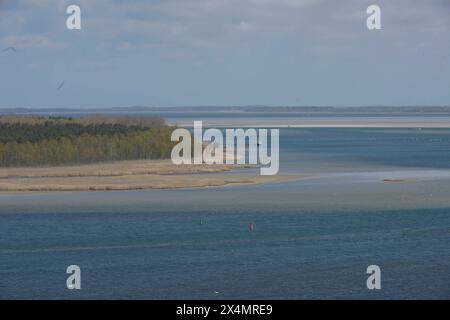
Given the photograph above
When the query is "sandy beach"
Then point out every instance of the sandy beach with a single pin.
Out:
(127, 175)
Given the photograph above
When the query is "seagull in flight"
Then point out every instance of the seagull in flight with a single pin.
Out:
(60, 86)
(9, 49)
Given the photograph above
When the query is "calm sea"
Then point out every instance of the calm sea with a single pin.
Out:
(312, 238)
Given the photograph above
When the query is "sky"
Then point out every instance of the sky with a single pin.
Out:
(224, 53)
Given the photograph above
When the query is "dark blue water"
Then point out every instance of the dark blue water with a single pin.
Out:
(312, 238)
(172, 255)
(424, 148)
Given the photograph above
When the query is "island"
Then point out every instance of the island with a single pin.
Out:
(99, 153)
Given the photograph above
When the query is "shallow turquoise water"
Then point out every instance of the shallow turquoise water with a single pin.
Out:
(313, 238)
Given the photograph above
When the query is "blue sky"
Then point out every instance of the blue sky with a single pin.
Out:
(224, 52)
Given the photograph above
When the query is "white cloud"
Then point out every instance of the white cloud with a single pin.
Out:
(246, 27)
(183, 24)
(31, 41)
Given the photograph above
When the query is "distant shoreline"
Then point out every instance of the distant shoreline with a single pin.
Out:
(344, 122)
(330, 110)
(268, 116)
(126, 175)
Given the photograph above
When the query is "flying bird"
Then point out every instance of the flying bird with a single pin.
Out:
(9, 49)
(60, 86)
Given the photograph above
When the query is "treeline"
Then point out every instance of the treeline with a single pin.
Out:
(22, 133)
(34, 141)
(94, 119)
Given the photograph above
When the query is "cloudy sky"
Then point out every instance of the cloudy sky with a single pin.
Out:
(224, 52)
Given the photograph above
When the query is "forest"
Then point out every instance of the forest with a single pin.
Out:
(37, 140)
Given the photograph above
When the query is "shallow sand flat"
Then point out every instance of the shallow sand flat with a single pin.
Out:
(126, 175)
(117, 168)
(410, 174)
(357, 192)
(132, 182)
(324, 122)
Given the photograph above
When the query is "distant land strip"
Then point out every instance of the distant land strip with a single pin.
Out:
(381, 110)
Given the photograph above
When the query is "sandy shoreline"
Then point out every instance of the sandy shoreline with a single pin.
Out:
(307, 122)
(126, 175)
